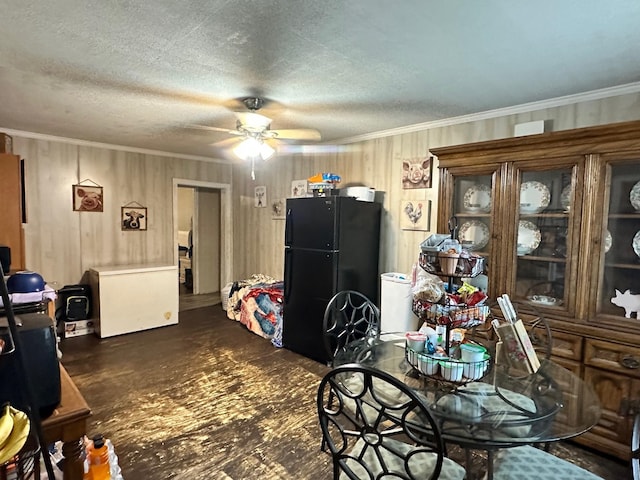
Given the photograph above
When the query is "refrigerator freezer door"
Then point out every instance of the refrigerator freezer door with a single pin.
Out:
(311, 223)
(310, 282)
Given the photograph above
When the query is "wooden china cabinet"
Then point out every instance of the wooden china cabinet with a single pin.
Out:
(557, 216)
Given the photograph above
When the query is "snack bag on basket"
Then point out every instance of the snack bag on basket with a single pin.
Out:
(427, 287)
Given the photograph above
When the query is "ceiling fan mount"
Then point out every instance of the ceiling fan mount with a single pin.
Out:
(253, 103)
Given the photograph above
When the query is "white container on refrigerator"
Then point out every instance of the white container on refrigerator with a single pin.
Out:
(396, 312)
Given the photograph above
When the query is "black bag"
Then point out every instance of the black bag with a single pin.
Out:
(74, 303)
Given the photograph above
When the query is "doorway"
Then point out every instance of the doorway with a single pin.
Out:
(203, 240)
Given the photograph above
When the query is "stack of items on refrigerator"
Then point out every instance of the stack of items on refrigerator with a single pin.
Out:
(321, 184)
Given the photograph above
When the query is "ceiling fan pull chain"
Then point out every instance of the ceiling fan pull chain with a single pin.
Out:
(253, 164)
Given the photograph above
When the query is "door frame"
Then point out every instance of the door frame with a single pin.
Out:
(226, 226)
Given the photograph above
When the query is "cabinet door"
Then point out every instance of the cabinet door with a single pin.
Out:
(612, 433)
(11, 211)
(618, 243)
(547, 222)
(469, 205)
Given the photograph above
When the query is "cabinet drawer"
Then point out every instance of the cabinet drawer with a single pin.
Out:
(614, 357)
(567, 345)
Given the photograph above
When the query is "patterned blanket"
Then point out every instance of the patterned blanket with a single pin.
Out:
(257, 303)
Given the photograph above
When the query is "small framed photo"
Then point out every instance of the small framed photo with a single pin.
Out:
(415, 215)
(260, 197)
(87, 198)
(299, 188)
(277, 208)
(133, 218)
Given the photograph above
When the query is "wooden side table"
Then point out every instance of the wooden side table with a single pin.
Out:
(68, 423)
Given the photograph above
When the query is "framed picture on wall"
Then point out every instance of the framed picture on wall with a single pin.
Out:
(277, 208)
(415, 215)
(87, 198)
(417, 172)
(133, 218)
(260, 197)
(299, 188)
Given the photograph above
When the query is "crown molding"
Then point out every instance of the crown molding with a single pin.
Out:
(500, 112)
(109, 146)
(445, 122)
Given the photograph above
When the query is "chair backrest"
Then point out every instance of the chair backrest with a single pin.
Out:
(349, 315)
(540, 334)
(373, 423)
(635, 448)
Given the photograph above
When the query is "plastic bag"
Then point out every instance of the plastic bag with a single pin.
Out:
(427, 287)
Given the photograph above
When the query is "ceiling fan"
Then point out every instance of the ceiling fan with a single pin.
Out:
(253, 137)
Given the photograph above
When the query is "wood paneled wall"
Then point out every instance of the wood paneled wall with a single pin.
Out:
(378, 163)
(62, 244)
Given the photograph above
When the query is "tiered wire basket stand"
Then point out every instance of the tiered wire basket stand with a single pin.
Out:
(450, 314)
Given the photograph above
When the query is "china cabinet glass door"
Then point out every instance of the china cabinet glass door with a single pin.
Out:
(619, 285)
(544, 232)
(471, 219)
(472, 210)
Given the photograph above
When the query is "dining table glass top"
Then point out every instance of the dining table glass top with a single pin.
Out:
(503, 408)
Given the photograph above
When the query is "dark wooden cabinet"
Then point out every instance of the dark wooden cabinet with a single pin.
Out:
(11, 233)
(557, 217)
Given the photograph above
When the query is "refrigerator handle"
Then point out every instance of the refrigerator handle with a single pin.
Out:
(288, 228)
(288, 258)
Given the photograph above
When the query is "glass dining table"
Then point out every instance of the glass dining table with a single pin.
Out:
(501, 409)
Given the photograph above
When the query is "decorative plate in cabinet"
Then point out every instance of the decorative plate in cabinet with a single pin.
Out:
(477, 198)
(636, 243)
(529, 237)
(534, 197)
(565, 198)
(634, 196)
(473, 235)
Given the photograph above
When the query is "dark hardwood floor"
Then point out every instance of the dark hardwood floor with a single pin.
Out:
(190, 301)
(207, 399)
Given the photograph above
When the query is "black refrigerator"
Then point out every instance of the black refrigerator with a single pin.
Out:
(331, 244)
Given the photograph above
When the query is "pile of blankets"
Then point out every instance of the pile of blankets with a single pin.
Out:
(257, 303)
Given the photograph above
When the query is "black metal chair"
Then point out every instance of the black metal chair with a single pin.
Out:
(349, 315)
(375, 426)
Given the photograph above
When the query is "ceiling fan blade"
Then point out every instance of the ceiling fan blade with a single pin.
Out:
(307, 134)
(253, 120)
(227, 142)
(212, 129)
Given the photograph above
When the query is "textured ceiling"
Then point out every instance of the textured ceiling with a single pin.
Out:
(138, 73)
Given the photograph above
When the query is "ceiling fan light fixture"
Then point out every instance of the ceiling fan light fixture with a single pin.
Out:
(252, 147)
(266, 151)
